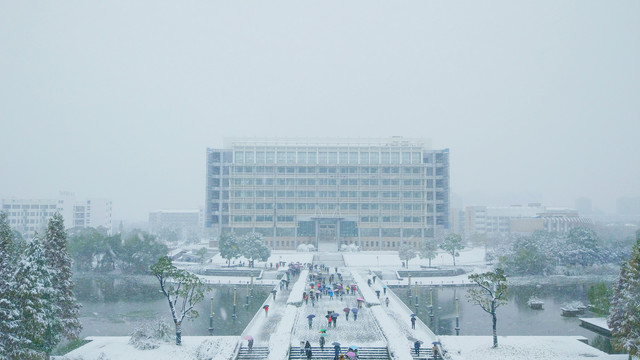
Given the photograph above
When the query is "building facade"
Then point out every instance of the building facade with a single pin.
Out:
(373, 193)
(29, 216)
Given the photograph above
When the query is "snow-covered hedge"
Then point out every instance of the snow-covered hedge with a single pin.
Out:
(369, 297)
(217, 348)
(150, 335)
(349, 248)
(306, 248)
(281, 338)
(399, 346)
(295, 297)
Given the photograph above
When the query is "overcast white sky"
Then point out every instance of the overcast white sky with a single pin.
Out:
(536, 100)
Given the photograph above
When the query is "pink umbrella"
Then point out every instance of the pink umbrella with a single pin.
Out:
(360, 299)
(248, 337)
(351, 355)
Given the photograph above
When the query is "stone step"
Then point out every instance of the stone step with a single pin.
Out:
(425, 354)
(257, 353)
(364, 353)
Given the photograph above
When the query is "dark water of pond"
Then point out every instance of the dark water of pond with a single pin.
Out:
(514, 318)
(115, 306)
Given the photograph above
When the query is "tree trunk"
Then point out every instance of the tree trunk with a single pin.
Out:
(429, 262)
(178, 333)
(495, 320)
(454, 259)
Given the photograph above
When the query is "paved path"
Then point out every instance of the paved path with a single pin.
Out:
(358, 332)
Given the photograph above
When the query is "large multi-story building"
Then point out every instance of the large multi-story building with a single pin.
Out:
(374, 193)
(29, 216)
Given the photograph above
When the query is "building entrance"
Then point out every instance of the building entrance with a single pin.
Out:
(327, 231)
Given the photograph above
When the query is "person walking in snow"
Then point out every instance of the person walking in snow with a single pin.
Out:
(250, 344)
(309, 354)
(413, 322)
(416, 347)
(322, 341)
(387, 301)
(334, 318)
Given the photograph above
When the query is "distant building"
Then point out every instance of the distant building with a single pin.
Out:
(29, 216)
(181, 221)
(584, 206)
(375, 193)
(628, 206)
(521, 219)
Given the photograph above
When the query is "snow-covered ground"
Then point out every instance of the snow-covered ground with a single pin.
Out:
(521, 347)
(378, 325)
(390, 259)
(193, 347)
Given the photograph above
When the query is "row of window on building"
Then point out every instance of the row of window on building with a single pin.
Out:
(364, 170)
(328, 157)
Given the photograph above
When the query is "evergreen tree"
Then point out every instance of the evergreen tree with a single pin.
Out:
(35, 302)
(229, 247)
(59, 262)
(406, 252)
(451, 244)
(253, 247)
(9, 320)
(624, 313)
(428, 249)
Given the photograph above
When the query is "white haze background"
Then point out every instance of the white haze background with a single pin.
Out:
(537, 101)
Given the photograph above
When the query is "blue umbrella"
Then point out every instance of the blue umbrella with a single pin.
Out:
(354, 310)
(412, 315)
(310, 316)
(335, 315)
(353, 347)
(335, 344)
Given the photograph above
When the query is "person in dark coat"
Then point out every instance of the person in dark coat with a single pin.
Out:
(309, 354)
(413, 322)
(336, 351)
(322, 341)
(416, 347)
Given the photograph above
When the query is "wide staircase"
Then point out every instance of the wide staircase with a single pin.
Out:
(257, 353)
(425, 354)
(364, 353)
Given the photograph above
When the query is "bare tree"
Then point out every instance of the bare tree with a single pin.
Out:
(182, 289)
(490, 294)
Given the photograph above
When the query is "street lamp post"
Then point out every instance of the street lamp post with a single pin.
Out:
(409, 287)
(211, 318)
(235, 297)
(247, 295)
(457, 318)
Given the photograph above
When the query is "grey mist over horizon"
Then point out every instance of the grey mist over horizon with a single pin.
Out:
(536, 101)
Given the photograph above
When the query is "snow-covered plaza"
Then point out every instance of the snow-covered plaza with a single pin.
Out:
(278, 333)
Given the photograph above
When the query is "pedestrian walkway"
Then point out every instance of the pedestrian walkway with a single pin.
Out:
(363, 330)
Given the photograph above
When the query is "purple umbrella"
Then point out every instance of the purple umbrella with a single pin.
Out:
(311, 316)
(346, 310)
